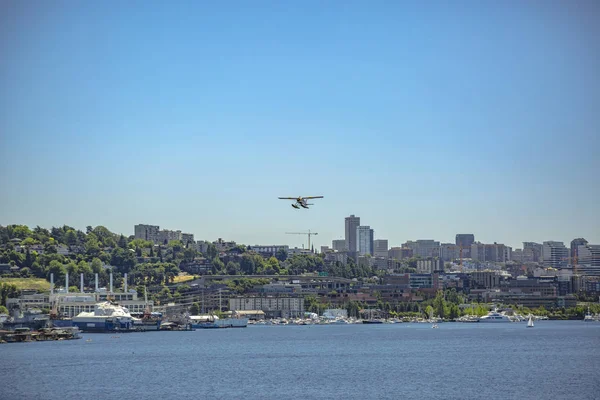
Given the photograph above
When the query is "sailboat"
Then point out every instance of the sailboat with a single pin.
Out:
(530, 322)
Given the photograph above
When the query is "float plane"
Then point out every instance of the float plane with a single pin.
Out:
(301, 201)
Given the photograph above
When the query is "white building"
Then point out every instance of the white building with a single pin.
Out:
(380, 248)
(555, 254)
(364, 238)
(588, 260)
(273, 307)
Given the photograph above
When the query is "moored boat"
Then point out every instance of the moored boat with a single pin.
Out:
(106, 317)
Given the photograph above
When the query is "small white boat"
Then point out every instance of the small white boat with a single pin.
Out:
(435, 326)
(530, 322)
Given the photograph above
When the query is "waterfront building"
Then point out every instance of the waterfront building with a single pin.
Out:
(273, 307)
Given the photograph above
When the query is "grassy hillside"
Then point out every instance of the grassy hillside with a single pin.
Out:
(183, 278)
(28, 283)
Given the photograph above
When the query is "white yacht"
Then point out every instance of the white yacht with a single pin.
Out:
(106, 317)
(494, 317)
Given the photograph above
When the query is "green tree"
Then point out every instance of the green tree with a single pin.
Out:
(3, 310)
(281, 255)
(71, 237)
(189, 254)
(195, 309)
(96, 265)
(211, 251)
(122, 243)
(247, 264)
(58, 270)
(429, 311)
(232, 268)
(7, 290)
(217, 266)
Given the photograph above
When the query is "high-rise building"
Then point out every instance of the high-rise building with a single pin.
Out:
(555, 254)
(532, 251)
(352, 223)
(364, 238)
(424, 248)
(588, 260)
(575, 243)
(380, 248)
(339, 245)
(489, 252)
(147, 232)
(465, 240)
(449, 251)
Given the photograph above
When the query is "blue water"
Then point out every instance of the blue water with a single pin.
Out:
(553, 360)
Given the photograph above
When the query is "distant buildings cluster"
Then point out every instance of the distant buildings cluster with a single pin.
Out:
(359, 242)
(154, 234)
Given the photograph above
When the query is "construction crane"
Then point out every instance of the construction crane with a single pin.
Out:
(309, 233)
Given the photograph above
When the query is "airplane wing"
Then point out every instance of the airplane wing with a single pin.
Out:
(313, 197)
(287, 198)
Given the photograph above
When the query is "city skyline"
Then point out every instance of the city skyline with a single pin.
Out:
(318, 241)
(425, 121)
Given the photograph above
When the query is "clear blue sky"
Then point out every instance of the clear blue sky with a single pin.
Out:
(424, 120)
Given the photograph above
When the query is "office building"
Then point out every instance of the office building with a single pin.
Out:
(555, 254)
(588, 260)
(380, 248)
(352, 223)
(339, 245)
(575, 243)
(424, 248)
(465, 240)
(364, 237)
(532, 252)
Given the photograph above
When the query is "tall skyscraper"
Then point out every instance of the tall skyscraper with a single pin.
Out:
(465, 240)
(575, 243)
(364, 236)
(380, 248)
(352, 223)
